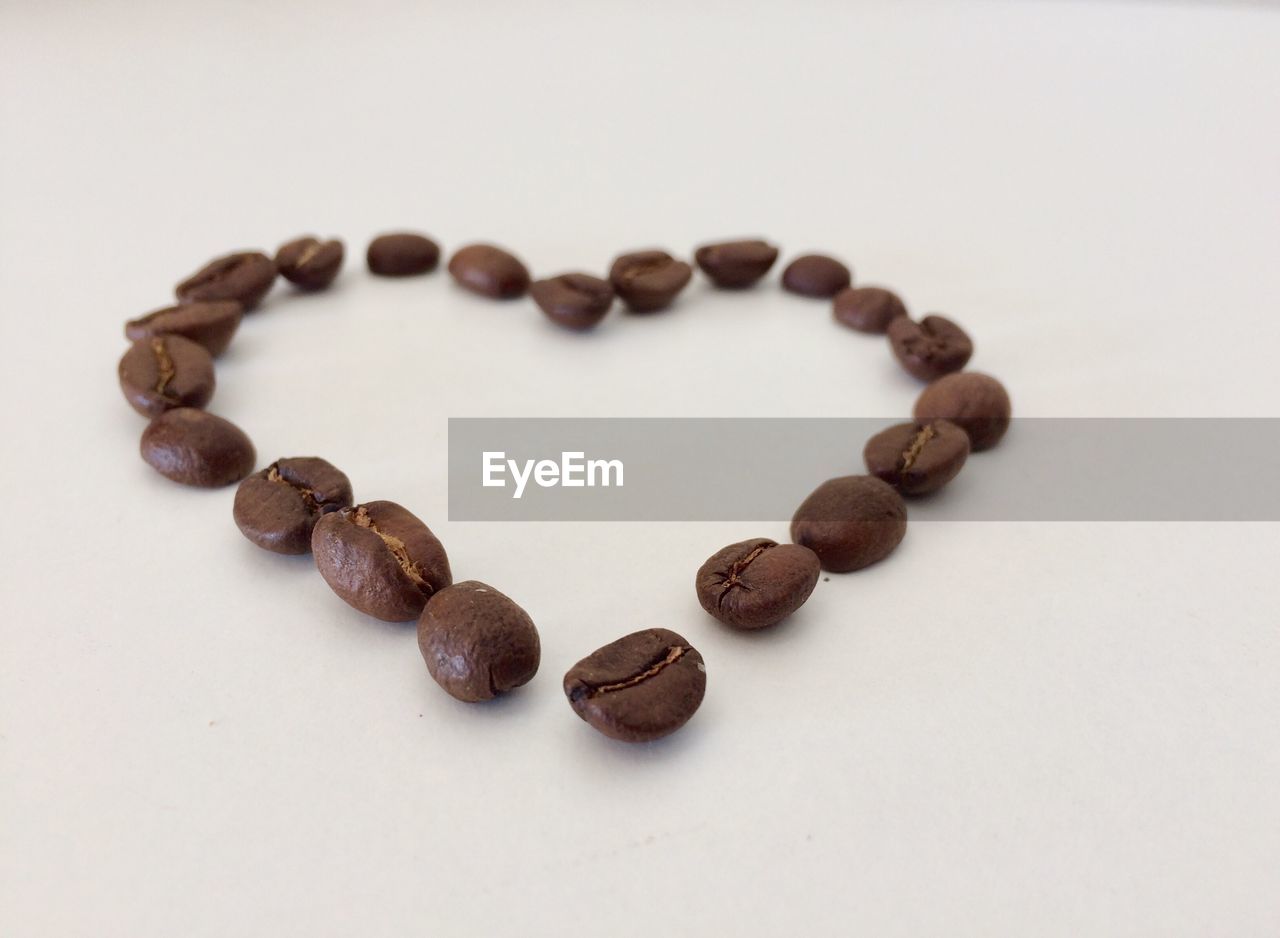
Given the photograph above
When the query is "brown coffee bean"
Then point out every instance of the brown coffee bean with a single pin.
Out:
(245, 277)
(380, 559)
(647, 281)
(850, 522)
(309, 263)
(639, 688)
(197, 448)
(402, 254)
(489, 271)
(757, 583)
(209, 324)
(915, 458)
(867, 309)
(928, 349)
(575, 301)
(477, 643)
(816, 275)
(164, 372)
(978, 404)
(735, 265)
(278, 507)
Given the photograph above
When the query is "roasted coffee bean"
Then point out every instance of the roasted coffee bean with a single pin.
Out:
(380, 559)
(816, 275)
(209, 324)
(641, 687)
(735, 265)
(756, 583)
(244, 277)
(850, 522)
(477, 643)
(575, 301)
(278, 507)
(978, 404)
(402, 254)
(867, 309)
(309, 263)
(197, 448)
(928, 349)
(917, 458)
(647, 281)
(164, 372)
(489, 271)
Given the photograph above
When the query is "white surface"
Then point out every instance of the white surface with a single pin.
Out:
(1005, 730)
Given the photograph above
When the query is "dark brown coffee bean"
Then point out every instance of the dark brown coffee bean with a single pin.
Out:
(402, 254)
(575, 301)
(244, 277)
(278, 507)
(816, 275)
(867, 309)
(209, 324)
(641, 687)
(380, 559)
(309, 263)
(850, 522)
(757, 583)
(735, 265)
(164, 372)
(916, 458)
(197, 448)
(477, 643)
(978, 404)
(489, 271)
(928, 349)
(647, 281)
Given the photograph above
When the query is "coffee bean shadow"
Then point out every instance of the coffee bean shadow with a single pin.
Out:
(658, 752)
(499, 708)
(784, 631)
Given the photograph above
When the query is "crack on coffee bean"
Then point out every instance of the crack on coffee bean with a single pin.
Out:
(313, 502)
(912, 452)
(638, 269)
(736, 569)
(165, 370)
(310, 251)
(659, 664)
(397, 548)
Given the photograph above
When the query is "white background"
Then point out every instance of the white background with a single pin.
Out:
(1006, 729)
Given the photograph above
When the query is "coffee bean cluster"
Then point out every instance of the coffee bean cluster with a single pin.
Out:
(476, 642)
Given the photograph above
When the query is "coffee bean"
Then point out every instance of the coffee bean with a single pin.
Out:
(278, 507)
(756, 583)
(164, 372)
(978, 404)
(477, 643)
(867, 309)
(309, 263)
(575, 301)
(641, 687)
(244, 277)
(647, 281)
(928, 349)
(850, 522)
(816, 275)
(197, 448)
(489, 271)
(916, 458)
(209, 324)
(402, 254)
(380, 559)
(735, 265)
